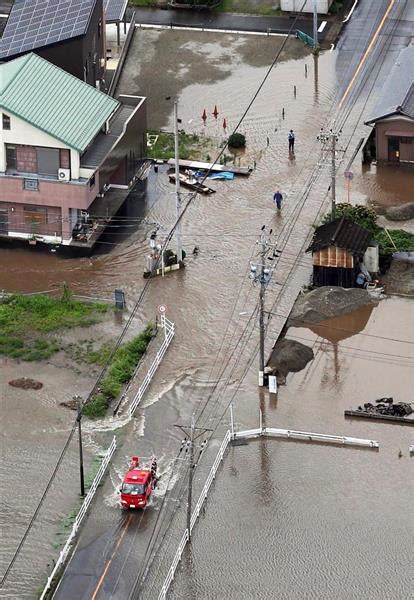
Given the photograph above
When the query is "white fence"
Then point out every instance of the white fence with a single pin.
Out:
(306, 436)
(169, 331)
(194, 516)
(85, 505)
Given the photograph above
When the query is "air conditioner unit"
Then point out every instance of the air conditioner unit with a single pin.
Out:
(64, 174)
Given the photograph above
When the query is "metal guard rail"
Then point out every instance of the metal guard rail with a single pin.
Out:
(79, 517)
(169, 329)
(194, 517)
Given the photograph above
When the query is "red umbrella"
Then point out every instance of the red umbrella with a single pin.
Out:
(215, 111)
(204, 116)
(224, 123)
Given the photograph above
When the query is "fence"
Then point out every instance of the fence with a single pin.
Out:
(83, 509)
(194, 517)
(169, 331)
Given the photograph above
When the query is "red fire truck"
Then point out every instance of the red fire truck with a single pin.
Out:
(138, 484)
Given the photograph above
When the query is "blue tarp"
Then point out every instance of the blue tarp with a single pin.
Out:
(221, 175)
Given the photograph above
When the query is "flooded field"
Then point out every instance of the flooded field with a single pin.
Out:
(309, 520)
(201, 300)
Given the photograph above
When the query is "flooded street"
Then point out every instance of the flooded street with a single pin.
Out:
(332, 516)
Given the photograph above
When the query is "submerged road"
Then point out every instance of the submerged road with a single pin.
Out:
(112, 548)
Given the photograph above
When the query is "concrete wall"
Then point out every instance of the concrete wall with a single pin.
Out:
(395, 125)
(295, 6)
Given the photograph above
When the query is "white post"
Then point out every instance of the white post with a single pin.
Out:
(177, 184)
(260, 420)
(231, 420)
(315, 25)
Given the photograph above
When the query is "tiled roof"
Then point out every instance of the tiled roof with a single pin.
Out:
(54, 101)
(341, 233)
(397, 95)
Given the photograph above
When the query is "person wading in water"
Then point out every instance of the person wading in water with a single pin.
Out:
(291, 138)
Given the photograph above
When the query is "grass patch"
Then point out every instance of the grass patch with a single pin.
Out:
(119, 373)
(191, 145)
(83, 352)
(263, 8)
(24, 318)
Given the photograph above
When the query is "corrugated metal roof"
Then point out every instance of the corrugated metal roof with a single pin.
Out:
(341, 233)
(54, 101)
(397, 95)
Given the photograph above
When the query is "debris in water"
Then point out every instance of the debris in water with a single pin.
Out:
(25, 383)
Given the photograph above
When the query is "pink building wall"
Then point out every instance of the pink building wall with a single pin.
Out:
(57, 196)
(406, 150)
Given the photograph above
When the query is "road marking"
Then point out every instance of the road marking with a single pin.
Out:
(108, 564)
(367, 51)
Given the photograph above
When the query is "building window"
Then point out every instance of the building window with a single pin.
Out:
(35, 215)
(11, 158)
(6, 122)
(48, 161)
(92, 181)
(406, 140)
(31, 184)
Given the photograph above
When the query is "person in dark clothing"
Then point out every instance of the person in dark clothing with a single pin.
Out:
(291, 138)
(277, 199)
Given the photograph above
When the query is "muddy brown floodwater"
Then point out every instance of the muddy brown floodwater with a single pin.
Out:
(320, 503)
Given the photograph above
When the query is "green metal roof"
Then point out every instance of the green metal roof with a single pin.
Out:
(54, 101)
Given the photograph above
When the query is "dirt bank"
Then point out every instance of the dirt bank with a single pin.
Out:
(326, 303)
(288, 356)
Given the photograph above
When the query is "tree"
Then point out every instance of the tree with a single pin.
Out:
(237, 140)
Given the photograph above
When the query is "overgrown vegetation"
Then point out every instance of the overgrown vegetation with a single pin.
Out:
(263, 8)
(237, 140)
(23, 320)
(190, 145)
(119, 373)
(393, 241)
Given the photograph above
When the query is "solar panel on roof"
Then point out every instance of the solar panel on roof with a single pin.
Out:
(35, 23)
(114, 10)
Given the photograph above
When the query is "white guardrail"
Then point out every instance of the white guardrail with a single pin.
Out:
(169, 331)
(305, 435)
(82, 511)
(194, 516)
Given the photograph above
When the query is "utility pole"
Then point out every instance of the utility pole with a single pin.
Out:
(79, 418)
(261, 307)
(263, 277)
(190, 432)
(315, 26)
(331, 138)
(177, 184)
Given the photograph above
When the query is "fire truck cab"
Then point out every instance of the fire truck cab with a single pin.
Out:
(137, 485)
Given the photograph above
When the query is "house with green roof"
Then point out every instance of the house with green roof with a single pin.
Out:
(64, 146)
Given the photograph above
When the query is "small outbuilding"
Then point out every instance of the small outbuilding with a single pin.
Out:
(339, 252)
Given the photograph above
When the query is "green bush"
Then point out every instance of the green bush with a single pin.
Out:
(123, 366)
(237, 140)
(366, 217)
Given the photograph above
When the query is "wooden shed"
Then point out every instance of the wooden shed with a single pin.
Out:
(337, 249)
